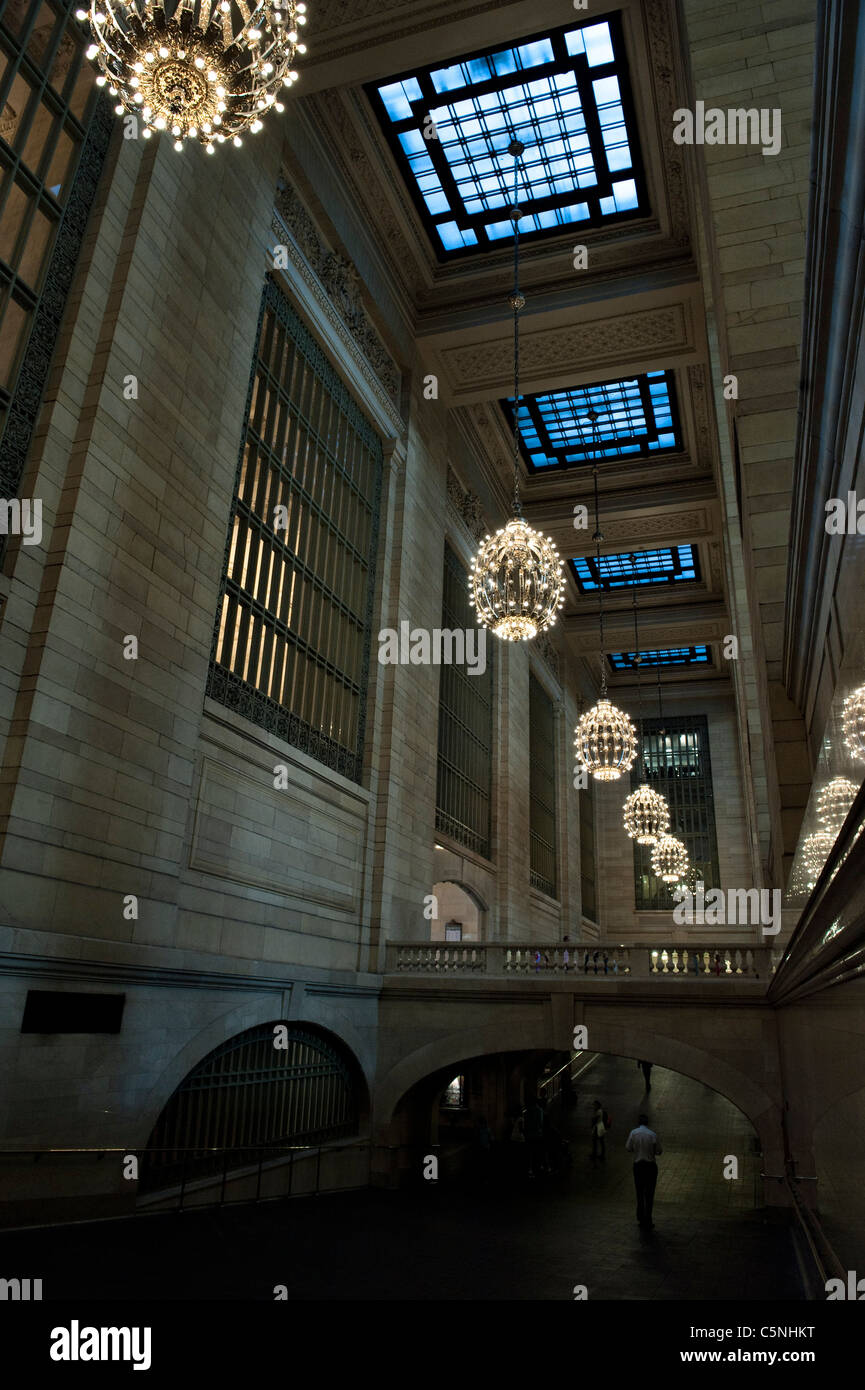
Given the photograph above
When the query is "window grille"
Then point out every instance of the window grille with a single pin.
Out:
(250, 1095)
(677, 764)
(636, 416)
(292, 640)
(465, 763)
(669, 565)
(542, 789)
(54, 134)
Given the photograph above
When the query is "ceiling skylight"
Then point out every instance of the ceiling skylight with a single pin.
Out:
(669, 656)
(635, 416)
(564, 94)
(669, 565)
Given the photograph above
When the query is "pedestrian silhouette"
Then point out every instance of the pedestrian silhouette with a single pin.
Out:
(645, 1145)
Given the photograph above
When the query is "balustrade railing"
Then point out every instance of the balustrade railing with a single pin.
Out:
(643, 961)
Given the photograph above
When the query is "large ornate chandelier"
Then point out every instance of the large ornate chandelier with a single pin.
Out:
(646, 814)
(669, 859)
(853, 717)
(203, 70)
(516, 582)
(835, 801)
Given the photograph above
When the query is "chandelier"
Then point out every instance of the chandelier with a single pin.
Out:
(646, 814)
(204, 70)
(853, 716)
(835, 801)
(815, 852)
(606, 740)
(669, 859)
(516, 583)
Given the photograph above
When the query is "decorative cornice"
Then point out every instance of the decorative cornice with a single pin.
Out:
(340, 282)
(662, 63)
(554, 352)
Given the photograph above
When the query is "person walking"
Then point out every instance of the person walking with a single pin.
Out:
(599, 1132)
(646, 1068)
(645, 1145)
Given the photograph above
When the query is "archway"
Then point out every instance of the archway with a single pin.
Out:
(274, 1085)
(460, 913)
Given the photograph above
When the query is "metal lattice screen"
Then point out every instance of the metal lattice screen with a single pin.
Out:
(587, 851)
(677, 764)
(465, 744)
(292, 641)
(249, 1095)
(542, 789)
(54, 133)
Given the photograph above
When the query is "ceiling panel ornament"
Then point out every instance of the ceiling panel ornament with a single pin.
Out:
(340, 281)
(553, 353)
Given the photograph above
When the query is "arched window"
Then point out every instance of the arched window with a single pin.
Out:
(276, 1085)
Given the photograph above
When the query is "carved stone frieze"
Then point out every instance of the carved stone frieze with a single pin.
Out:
(341, 282)
(557, 351)
(543, 644)
(658, 15)
(467, 506)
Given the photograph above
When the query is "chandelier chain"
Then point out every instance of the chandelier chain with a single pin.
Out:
(516, 303)
(598, 537)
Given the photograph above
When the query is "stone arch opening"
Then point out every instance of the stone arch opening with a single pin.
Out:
(271, 1086)
(461, 913)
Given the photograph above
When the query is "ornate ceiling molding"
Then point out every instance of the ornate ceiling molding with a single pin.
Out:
(552, 354)
(659, 30)
(335, 284)
(467, 506)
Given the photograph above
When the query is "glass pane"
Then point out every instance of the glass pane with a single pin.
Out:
(61, 167)
(13, 330)
(12, 219)
(15, 14)
(40, 134)
(42, 34)
(82, 76)
(14, 109)
(36, 249)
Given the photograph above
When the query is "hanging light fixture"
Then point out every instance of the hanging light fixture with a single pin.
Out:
(815, 852)
(669, 859)
(516, 583)
(853, 718)
(835, 801)
(645, 812)
(606, 740)
(201, 70)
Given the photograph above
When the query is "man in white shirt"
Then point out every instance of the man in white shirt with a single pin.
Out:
(644, 1144)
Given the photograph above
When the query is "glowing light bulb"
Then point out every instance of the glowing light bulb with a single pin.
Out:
(178, 145)
(237, 141)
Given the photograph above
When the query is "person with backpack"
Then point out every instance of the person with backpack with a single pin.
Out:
(601, 1122)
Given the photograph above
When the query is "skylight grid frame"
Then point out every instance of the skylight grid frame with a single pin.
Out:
(677, 564)
(698, 655)
(638, 417)
(586, 182)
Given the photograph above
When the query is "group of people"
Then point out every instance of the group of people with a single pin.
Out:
(542, 1148)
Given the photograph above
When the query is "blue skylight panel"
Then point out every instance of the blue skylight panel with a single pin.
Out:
(632, 419)
(668, 656)
(555, 94)
(636, 569)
